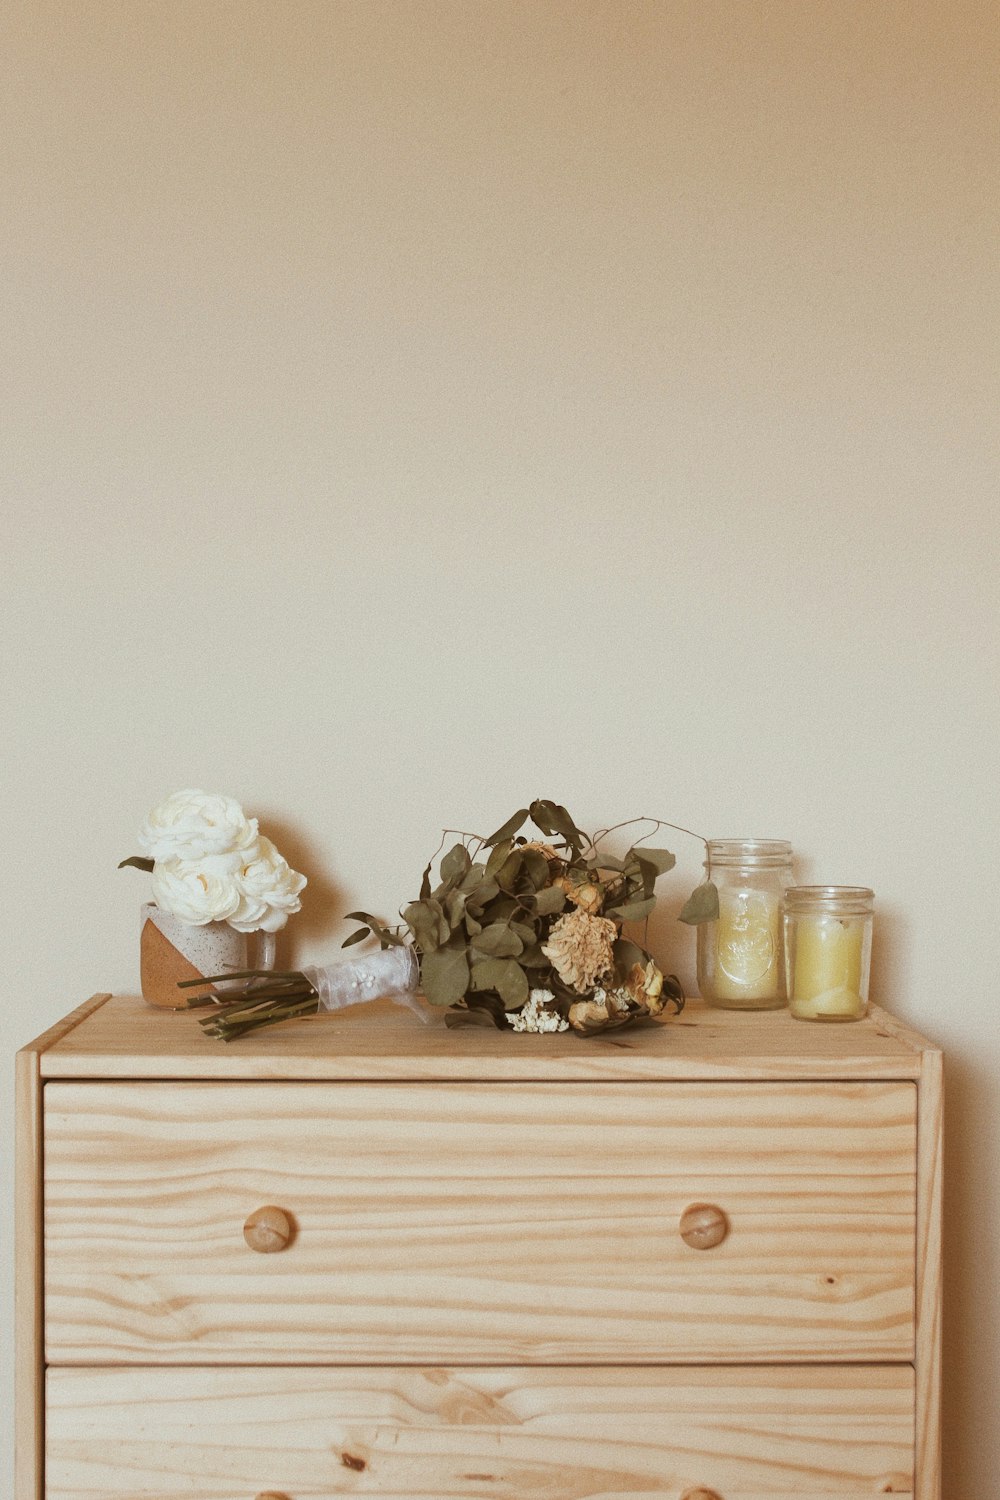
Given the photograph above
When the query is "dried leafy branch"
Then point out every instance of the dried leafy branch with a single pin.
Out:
(512, 930)
(496, 924)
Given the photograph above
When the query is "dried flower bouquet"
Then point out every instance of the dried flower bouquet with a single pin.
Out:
(526, 932)
(519, 933)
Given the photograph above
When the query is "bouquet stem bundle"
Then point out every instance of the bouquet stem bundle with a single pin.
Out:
(267, 997)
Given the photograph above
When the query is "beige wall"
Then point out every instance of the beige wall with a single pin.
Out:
(417, 406)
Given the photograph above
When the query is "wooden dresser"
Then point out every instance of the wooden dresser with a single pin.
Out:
(696, 1261)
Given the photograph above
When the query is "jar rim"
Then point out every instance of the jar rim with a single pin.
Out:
(759, 852)
(858, 899)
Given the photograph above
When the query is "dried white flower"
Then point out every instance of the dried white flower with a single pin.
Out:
(615, 1002)
(535, 1016)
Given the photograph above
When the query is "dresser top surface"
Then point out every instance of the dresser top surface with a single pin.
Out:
(119, 1036)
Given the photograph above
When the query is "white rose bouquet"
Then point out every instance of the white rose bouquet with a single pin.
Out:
(210, 863)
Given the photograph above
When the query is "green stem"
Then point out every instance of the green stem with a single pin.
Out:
(227, 1031)
(659, 823)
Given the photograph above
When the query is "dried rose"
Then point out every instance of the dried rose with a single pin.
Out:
(645, 983)
(584, 1015)
(585, 894)
(580, 947)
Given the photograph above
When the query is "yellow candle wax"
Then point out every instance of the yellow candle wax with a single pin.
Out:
(746, 946)
(827, 974)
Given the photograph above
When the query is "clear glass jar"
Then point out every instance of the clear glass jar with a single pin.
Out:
(828, 949)
(739, 955)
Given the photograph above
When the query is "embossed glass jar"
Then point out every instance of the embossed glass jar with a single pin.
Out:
(828, 949)
(740, 960)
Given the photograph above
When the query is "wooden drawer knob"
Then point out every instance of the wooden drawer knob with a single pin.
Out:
(267, 1229)
(702, 1226)
(272, 1495)
(700, 1495)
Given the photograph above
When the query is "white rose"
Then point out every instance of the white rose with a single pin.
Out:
(268, 887)
(198, 890)
(191, 824)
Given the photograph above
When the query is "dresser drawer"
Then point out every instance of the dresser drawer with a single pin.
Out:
(464, 1224)
(406, 1434)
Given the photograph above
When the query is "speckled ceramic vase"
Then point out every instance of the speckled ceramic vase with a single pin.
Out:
(171, 951)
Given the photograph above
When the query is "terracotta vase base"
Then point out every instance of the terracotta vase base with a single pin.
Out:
(162, 968)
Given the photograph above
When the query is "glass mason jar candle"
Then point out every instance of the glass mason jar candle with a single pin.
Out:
(828, 947)
(739, 955)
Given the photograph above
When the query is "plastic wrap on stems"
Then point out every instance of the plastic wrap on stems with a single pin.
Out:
(390, 974)
(265, 997)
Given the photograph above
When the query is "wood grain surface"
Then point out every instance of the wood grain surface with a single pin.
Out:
(28, 1276)
(929, 1277)
(452, 1223)
(125, 1038)
(432, 1434)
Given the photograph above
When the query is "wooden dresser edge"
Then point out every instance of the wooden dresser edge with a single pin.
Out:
(63, 1027)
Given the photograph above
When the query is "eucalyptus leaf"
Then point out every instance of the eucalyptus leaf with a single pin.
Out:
(444, 975)
(702, 905)
(506, 977)
(547, 902)
(497, 941)
(444, 926)
(661, 858)
(454, 906)
(552, 818)
(534, 958)
(428, 923)
(500, 910)
(386, 938)
(456, 864)
(481, 895)
(627, 955)
(514, 988)
(473, 877)
(488, 1001)
(508, 830)
(356, 937)
(137, 862)
(498, 855)
(634, 911)
(425, 883)
(510, 870)
(537, 868)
